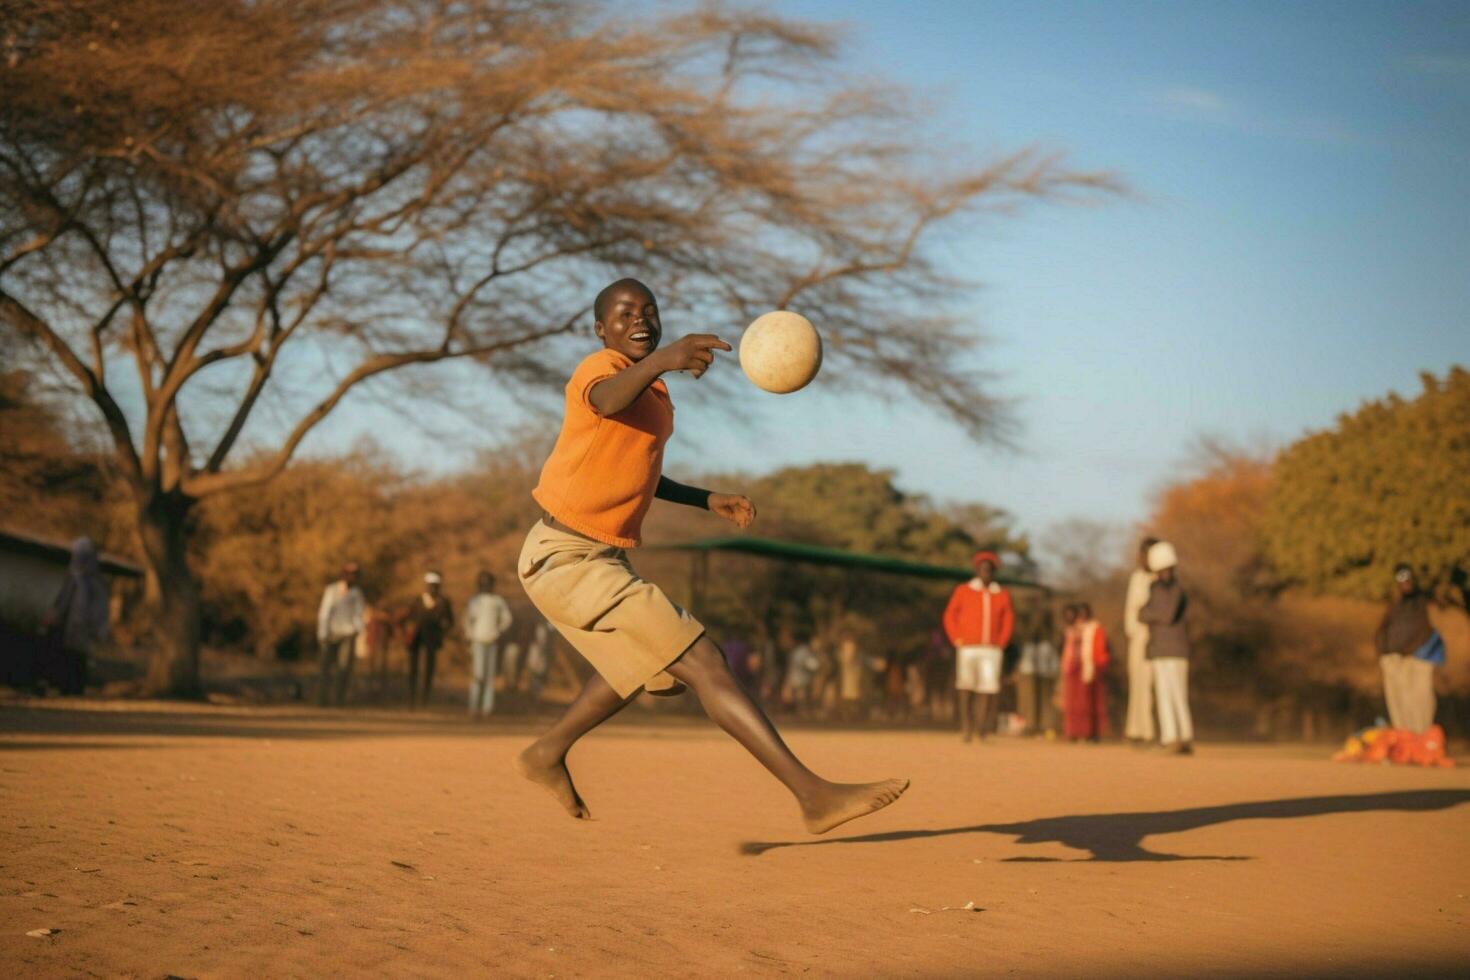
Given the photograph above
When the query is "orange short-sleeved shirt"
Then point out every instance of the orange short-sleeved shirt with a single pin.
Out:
(600, 477)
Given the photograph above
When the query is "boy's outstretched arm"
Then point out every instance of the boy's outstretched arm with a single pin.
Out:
(733, 507)
(692, 353)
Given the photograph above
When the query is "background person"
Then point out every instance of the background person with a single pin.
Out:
(1083, 662)
(979, 620)
(429, 620)
(1409, 649)
(1138, 725)
(377, 631)
(1168, 649)
(77, 622)
(1036, 677)
(486, 618)
(339, 618)
(802, 665)
(538, 660)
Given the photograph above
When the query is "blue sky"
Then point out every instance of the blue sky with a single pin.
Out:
(1298, 239)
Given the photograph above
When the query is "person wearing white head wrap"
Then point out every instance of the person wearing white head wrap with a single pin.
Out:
(1168, 649)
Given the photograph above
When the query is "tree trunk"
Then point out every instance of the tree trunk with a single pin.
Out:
(173, 667)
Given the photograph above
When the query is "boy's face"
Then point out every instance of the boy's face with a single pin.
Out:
(630, 323)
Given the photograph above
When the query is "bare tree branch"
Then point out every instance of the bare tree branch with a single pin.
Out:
(28, 324)
(208, 483)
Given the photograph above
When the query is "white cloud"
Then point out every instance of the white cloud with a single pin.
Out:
(1194, 99)
(1210, 108)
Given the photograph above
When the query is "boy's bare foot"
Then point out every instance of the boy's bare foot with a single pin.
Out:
(551, 775)
(842, 802)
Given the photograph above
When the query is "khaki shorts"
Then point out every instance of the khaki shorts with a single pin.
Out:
(625, 626)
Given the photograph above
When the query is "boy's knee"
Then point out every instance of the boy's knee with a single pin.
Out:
(701, 662)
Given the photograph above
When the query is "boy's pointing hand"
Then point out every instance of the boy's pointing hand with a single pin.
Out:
(692, 353)
(733, 507)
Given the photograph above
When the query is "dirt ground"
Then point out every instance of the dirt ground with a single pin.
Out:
(198, 841)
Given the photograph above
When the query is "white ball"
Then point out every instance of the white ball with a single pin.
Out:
(781, 352)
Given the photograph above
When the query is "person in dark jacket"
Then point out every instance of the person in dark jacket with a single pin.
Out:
(78, 620)
(1168, 649)
(1408, 651)
(429, 621)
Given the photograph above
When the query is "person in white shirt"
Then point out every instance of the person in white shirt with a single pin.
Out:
(339, 619)
(1138, 725)
(486, 618)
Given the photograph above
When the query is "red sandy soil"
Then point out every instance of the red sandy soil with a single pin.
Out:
(200, 841)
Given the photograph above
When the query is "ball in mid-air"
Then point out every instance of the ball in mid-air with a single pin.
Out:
(781, 351)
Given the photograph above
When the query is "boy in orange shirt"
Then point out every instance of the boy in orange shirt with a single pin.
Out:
(595, 488)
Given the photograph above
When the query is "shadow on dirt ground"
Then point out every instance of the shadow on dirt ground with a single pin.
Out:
(1119, 836)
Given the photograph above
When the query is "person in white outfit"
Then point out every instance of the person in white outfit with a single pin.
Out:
(339, 619)
(486, 618)
(1138, 725)
(1168, 649)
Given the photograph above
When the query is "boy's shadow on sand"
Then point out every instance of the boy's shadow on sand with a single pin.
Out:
(1119, 836)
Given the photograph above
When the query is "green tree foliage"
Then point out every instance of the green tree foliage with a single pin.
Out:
(1389, 483)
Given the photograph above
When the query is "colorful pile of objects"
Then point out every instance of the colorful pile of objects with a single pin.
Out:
(1397, 745)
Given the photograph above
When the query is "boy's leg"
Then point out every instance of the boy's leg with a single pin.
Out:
(545, 760)
(824, 804)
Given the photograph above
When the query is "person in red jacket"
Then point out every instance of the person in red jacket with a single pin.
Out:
(979, 620)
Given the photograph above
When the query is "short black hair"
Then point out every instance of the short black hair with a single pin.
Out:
(599, 305)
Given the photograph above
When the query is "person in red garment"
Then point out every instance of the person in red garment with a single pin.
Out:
(1083, 662)
(978, 621)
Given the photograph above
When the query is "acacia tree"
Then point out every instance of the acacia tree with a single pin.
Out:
(214, 213)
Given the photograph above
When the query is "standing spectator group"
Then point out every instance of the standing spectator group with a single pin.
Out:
(350, 628)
